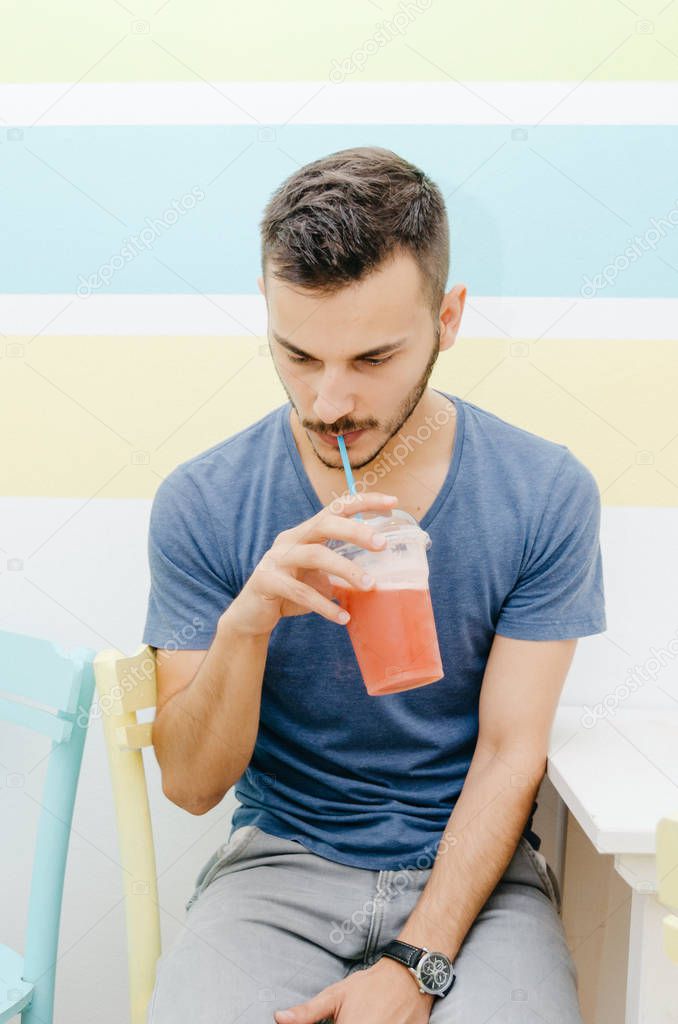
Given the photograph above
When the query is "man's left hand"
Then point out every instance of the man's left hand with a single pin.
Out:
(376, 995)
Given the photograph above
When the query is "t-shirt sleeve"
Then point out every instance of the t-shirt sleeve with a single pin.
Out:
(189, 590)
(559, 592)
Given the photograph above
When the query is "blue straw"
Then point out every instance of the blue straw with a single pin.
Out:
(347, 469)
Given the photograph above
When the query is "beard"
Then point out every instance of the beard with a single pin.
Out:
(405, 410)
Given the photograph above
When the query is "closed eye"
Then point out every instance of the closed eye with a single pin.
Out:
(370, 362)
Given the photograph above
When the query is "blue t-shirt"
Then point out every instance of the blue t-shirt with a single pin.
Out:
(371, 781)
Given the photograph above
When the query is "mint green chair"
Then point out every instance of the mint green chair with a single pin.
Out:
(33, 669)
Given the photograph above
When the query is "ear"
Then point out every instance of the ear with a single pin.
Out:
(451, 310)
(260, 282)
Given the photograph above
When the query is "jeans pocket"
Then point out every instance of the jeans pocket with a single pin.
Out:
(225, 855)
(544, 872)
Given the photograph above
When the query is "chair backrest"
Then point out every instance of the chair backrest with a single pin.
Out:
(126, 685)
(667, 874)
(34, 672)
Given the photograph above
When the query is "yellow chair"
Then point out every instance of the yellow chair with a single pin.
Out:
(126, 685)
(667, 873)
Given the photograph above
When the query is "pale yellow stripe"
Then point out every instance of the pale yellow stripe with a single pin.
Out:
(394, 40)
(111, 416)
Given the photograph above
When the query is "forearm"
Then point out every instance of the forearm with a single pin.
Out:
(204, 736)
(479, 841)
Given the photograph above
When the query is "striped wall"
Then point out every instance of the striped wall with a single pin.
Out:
(139, 143)
(110, 415)
(111, 223)
(412, 40)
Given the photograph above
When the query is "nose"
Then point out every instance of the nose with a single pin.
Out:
(332, 404)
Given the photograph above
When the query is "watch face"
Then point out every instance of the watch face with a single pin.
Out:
(435, 972)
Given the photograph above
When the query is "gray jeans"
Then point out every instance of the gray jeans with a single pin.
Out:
(271, 924)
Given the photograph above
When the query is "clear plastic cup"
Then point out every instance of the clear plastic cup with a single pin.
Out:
(392, 627)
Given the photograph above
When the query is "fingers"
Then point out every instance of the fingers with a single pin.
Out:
(306, 596)
(303, 547)
(317, 556)
(349, 504)
(362, 534)
(330, 525)
(333, 522)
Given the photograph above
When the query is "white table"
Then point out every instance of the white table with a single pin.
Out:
(618, 776)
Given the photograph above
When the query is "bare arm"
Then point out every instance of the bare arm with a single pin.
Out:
(519, 696)
(204, 732)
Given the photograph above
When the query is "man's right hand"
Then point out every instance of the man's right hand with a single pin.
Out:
(291, 578)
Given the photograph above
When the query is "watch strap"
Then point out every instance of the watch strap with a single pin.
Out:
(403, 952)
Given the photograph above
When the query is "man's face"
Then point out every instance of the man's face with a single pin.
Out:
(341, 384)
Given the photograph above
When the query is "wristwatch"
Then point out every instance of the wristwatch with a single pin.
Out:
(433, 972)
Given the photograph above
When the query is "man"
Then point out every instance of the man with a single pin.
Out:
(364, 820)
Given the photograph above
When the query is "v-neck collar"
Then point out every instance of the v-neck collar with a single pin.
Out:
(441, 496)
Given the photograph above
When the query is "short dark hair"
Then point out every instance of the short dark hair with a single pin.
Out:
(338, 218)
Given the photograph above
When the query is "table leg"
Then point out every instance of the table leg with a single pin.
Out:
(652, 980)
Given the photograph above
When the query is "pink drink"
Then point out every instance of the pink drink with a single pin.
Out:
(393, 635)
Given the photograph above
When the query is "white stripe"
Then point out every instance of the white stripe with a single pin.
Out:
(40, 536)
(326, 102)
(484, 317)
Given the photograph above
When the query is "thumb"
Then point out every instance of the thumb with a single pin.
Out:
(325, 1004)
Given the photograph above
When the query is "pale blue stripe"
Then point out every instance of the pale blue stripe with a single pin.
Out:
(531, 220)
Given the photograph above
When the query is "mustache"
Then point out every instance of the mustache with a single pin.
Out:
(343, 430)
